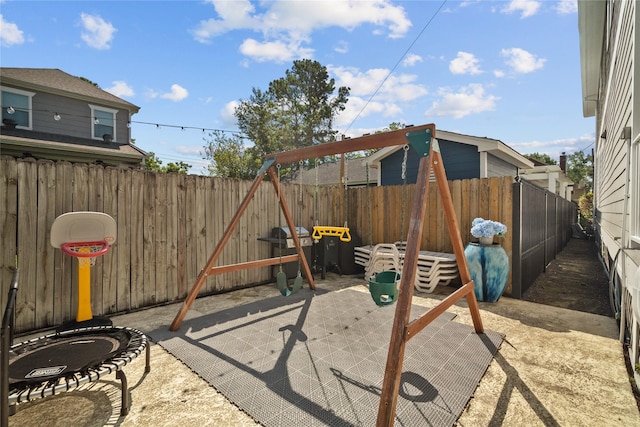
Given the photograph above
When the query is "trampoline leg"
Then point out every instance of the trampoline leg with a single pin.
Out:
(147, 367)
(126, 403)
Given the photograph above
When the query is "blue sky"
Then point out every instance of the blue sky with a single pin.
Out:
(508, 70)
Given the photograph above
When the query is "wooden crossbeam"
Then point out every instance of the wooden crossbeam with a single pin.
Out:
(252, 264)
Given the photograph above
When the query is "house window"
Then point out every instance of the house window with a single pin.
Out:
(103, 123)
(16, 106)
(634, 191)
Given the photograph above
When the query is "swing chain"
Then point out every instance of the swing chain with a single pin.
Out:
(404, 185)
(345, 180)
(279, 208)
(366, 167)
(301, 165)
(316, 198)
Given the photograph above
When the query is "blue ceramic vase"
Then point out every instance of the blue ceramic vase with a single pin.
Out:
(489, 269)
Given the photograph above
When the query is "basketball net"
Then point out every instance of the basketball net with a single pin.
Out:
(86, 252)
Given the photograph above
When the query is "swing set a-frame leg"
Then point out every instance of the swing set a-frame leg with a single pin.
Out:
(403, 330)
(210, 268)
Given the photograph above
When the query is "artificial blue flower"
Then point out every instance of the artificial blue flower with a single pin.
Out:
(486, 228)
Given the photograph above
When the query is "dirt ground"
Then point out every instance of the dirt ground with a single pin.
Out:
(574, 280)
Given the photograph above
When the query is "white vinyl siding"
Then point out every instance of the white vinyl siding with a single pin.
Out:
(634, 192)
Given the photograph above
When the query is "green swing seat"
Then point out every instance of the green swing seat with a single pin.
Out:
(384, 289)
(283, 286)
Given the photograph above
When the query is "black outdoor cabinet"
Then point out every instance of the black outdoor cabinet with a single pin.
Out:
(332, 254)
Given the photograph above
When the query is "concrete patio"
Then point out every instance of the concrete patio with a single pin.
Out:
(556, 367)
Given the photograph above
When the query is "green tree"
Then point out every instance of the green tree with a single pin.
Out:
(297, 110)
(228, 156)
(542, 158)
(580, 169)
(153, 163)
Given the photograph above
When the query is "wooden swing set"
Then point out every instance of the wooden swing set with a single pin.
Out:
(422, 139)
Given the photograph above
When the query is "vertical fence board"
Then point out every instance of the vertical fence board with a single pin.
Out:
(161, 243)
(27, 208)
(8, 221)
(135, 226)
(125, 213)
(200, 231)
(192, 269)
(95, 189)
(110, 260)
(217, 219)
(44, 251)
(63, 280)
(172, 236)
(181, 244)
(149, 231)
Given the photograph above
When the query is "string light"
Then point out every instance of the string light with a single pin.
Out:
(58, 116)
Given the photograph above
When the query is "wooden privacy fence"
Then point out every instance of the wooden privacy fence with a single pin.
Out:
(168, 225)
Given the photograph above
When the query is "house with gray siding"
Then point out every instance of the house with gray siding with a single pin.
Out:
(464, 157)
(49, 114)
(608, 55)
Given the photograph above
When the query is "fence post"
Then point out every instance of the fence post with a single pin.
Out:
(516, 242)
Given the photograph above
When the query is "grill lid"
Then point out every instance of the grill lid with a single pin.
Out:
(285, 232)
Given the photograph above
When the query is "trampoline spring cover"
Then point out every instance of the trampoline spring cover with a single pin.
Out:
(65, 354)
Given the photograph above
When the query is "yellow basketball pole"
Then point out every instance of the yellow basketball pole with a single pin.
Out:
(84, 287)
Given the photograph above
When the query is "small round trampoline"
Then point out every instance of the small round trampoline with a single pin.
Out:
(65, 360)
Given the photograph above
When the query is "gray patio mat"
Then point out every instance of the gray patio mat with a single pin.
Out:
(318, 359)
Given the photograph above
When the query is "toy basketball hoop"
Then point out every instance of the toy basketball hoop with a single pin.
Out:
(85, 251)
(85, 236)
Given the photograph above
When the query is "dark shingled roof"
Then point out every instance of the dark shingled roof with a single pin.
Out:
(53, 80)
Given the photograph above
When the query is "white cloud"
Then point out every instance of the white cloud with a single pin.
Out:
(341, 47)
(465, 63)
(358, 107)
(276, 51)
(396, 87)
(471, 99)
(120, 89)
(178, 93)
(188, 150)
(499, 73)
(10, 34)
(521, 61)
(554, 147)
(411, 60)
(227, 114)
(287, 24)
(566, 7)
(526, 8)
(97, 33)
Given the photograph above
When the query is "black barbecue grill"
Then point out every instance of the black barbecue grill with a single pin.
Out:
(282, 244)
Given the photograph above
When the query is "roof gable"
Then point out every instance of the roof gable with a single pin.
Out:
(493, 146)
(53, 80)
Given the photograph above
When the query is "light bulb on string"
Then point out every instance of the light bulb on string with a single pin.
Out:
(56, 117)
(11, 110)
(96, 121)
